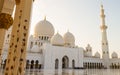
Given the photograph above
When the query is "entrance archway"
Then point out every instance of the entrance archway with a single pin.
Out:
(65, 62)
(56, 63)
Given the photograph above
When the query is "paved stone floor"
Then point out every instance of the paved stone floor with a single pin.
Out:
(72, 72)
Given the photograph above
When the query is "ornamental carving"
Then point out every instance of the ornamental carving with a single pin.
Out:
(5, 20)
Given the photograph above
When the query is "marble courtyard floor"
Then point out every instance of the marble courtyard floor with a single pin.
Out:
(72, 72)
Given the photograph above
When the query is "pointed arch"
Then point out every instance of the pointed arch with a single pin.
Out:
(56, 64)
(65, 62)
(73, 63)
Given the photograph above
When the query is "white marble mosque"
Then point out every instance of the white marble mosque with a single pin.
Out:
(47, 49)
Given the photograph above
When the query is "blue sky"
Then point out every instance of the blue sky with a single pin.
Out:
(82, 18)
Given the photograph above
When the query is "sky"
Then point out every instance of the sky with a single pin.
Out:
(82, 19)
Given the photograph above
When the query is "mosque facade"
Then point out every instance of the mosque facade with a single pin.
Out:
(47, 50)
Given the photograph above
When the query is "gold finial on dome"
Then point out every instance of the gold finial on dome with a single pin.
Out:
(57, 32)
(101, 6)
(45, 18)
(68, 30)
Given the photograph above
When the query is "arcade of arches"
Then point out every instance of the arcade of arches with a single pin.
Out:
(33, 64)
(65, 63)
(115, 65)
(91, 65)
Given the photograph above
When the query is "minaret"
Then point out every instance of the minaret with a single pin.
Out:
(105, 48)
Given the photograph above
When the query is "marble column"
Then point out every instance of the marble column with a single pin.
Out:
(16, 59)
(2, 36)
(4, 8)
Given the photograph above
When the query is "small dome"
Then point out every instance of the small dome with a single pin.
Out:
(44, 28)
(114, 55)
(97, 55)
(35, 48)
(57, 40)
(88, 48)
(69, 39)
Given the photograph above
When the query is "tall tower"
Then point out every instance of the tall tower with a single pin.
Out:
(105, 48)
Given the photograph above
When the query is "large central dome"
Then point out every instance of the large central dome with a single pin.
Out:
(44, 28)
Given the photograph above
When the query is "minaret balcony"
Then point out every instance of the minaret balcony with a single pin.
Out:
(103, 16)
(103, 27)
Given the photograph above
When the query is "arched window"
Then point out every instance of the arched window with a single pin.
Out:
(42, 38)
(32, 64)
(36, 43)
(36, 64)
(8, 36)
(31, 44)
(106, 43)
(39, 37)
(90, 65)
(41, 44)
(45, 38)
(73, 63)
(102, 43)
(85, 65)
(27, 64)
(56, 64)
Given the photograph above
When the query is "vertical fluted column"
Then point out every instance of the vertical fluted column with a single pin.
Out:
(13, 44)
(24, 34)
(17, 53)
(8, 10)
(2, 36)
(1, 4)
